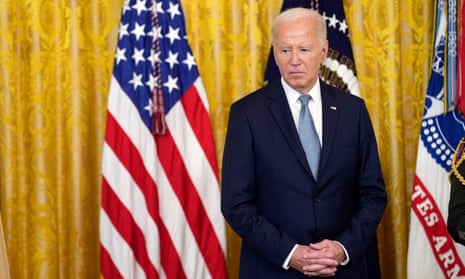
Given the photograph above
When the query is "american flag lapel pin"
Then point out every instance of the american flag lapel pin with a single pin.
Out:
(332, 107)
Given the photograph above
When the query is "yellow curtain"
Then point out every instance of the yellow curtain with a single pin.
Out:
(392, 43)
(56, 58)
(55, 62)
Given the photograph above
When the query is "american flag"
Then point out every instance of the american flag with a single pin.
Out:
(160, 211)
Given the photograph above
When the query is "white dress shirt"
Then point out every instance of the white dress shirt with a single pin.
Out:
(316, 111)
(314, 105)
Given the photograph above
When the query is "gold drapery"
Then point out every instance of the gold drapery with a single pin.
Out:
(56, 58)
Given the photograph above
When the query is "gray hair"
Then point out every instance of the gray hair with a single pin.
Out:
(298, 13)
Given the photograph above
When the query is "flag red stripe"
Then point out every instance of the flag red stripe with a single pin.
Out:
(199, 120)
(130, 157)
(195, 213)
(124, 223)
(109, 270)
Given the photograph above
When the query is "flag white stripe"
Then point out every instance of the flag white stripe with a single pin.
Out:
(175, 220)
(121, 254)
(198, 167)
(202, 93)
(133, 199)
(135, 129)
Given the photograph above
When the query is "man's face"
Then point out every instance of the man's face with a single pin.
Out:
(298, 52)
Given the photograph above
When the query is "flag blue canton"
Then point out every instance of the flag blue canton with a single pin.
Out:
(136, 57)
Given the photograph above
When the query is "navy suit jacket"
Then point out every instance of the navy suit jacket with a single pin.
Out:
(270, 197)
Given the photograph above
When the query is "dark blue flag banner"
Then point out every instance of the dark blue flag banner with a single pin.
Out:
(339, 68)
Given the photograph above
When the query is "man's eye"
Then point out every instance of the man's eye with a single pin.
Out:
(285, 51)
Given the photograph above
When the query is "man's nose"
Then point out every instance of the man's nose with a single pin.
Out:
(295, 58)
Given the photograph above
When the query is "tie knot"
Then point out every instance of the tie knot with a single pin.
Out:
(304, 99)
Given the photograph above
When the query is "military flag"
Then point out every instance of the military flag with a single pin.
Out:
(432, 253)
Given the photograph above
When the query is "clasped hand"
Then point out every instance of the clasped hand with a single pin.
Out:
(318, 259)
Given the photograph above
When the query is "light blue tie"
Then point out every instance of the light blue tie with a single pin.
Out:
(308, 135)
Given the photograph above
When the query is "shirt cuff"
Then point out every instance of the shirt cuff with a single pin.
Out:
(288, 259)
(346, 261)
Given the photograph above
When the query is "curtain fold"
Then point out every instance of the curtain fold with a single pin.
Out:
(392, 44)
(56, 59)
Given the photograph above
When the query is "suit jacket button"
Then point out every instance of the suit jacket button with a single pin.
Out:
(317, 199)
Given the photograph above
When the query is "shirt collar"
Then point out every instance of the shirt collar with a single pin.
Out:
(293, 95)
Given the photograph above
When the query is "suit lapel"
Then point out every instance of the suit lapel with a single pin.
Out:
(279, 108)
(330, 118)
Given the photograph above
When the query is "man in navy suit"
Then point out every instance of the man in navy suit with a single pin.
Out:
(294, 223)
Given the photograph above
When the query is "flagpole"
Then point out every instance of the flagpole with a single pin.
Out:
(4, 268)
